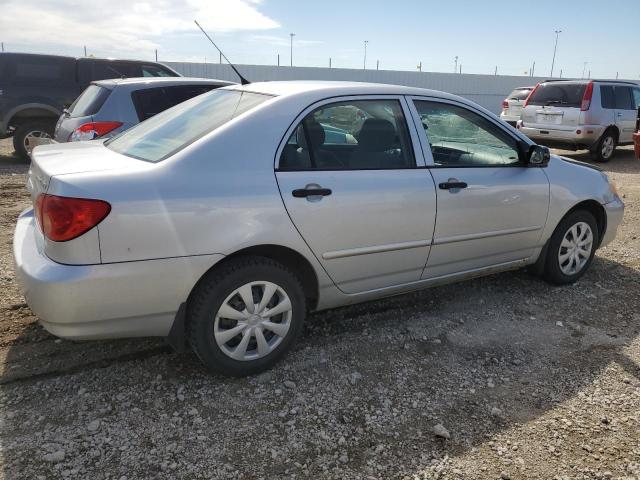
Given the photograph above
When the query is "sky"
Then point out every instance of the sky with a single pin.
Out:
(483, 34)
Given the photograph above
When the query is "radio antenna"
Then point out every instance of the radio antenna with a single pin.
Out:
(243, 81)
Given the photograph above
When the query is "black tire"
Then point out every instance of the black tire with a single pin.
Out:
(602, 152)
(214, 289)
(552, 270)
(45, 126)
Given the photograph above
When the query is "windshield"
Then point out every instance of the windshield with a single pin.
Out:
(561, 94)
(89, 102)
(170, 131)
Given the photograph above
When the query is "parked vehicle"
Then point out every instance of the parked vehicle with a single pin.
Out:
(228, 217)
(108, 107)
(594, 115)
(512, 105)
(34, 90)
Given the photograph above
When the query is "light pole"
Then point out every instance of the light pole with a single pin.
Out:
(455, 64)
(557, 32)
(292, 35)
(584, 67)
(365, 55)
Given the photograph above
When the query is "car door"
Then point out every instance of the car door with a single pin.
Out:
(491, 208)
(349, 180)
(626, 113)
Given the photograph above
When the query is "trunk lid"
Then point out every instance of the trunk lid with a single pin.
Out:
(77, 157)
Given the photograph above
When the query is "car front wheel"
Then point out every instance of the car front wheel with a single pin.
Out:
(571, 248)
(245, 316)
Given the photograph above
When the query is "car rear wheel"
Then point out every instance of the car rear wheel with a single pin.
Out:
(29, 134)
(605, 148)
(245, 316)
(571, 248)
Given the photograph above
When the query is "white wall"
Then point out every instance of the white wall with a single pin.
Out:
(486, 90)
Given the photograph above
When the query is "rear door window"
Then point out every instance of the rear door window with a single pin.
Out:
(171, 131)
(89, 102)
(353, 135)
(607, 99)
(624, 98)
(558, 93)
(636, 97)
(151, 101)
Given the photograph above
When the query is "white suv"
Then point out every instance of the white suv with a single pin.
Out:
(594, 115)
(512, 105)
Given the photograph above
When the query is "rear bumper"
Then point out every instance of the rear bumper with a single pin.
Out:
(615, 212)
(130, 299)
(570, 139)
(510, 119)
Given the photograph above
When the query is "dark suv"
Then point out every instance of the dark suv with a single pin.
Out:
(35, 89)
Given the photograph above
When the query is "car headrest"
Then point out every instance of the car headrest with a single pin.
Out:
(376, 135)
(315, 132)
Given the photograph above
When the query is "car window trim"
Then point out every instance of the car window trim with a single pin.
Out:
(419, 160)
(428, 155)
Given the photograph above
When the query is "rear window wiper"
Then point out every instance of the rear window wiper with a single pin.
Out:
(555, 102)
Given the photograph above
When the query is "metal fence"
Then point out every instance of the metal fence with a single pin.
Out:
(486, 90)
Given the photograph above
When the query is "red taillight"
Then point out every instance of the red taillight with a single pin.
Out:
(92, 130)
(505, 105)
(526, 102)
(586, 98)
(66, 218)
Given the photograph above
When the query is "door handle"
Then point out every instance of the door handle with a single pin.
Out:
(310, 192)
(452, 185)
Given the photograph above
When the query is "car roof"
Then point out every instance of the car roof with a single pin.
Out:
(586, 80)
(168, 81)
(338, 88)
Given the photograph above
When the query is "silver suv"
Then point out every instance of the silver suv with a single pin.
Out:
(594, 115)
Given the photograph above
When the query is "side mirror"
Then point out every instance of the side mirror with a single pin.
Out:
(538, 156)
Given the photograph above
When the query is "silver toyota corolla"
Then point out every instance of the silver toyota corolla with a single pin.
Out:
(222, 221)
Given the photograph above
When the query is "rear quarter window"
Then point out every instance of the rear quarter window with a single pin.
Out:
(41, 70)
(89, 102)
(559, 94)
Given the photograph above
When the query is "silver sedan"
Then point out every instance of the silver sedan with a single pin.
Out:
(221, 222)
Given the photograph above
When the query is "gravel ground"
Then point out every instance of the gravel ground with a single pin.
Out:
(496, 378)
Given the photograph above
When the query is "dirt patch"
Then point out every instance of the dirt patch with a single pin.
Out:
(528, 380)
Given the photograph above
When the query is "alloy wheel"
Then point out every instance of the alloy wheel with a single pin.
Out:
(30, 139)
(608, 145)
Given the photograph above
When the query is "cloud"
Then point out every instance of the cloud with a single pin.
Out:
(126, 25)
(285, 41)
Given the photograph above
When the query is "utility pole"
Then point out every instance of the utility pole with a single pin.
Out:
(292, 35)
(278, 59)
(496, 71)
(584, 67)
(420, 67)
(329, 62)
(220, 58)
(533, 68)
(455, 64)
(365, 55)
(378, 65)
(616, 75)
(460, 68)
(560, 73)
(2, 43)
(85, 50)
(157, 55)
(557, 32)
(589, 77)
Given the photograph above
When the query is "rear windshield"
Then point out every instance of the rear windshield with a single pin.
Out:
(89, 102)
(561, 94)
(170, 131)
(519, 94)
